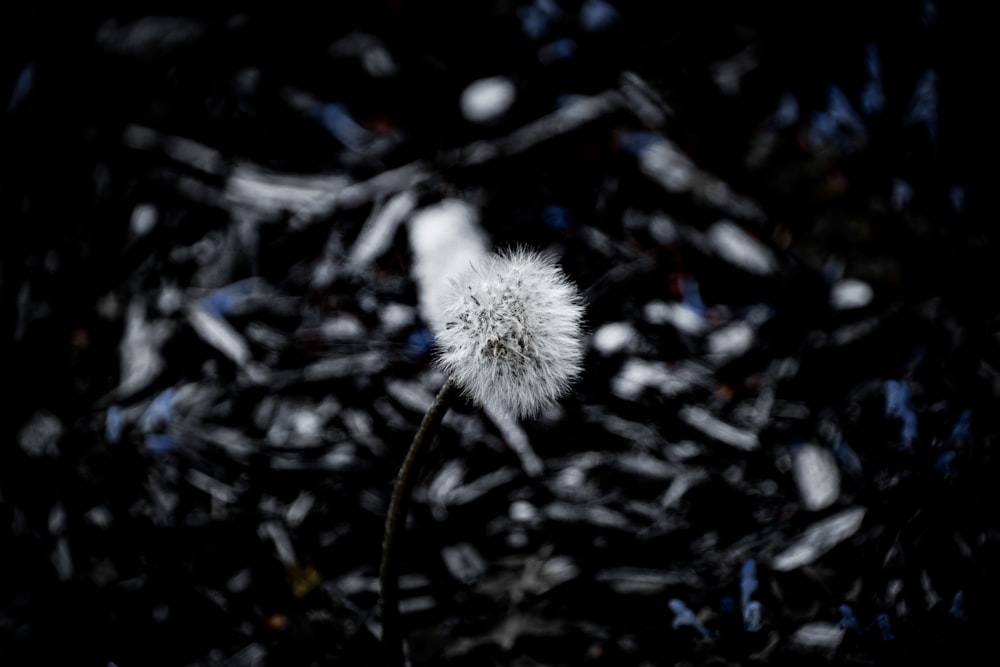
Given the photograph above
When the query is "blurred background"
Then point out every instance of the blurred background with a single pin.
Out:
(220, 231)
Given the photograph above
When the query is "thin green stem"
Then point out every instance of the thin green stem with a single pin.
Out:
(395, 521)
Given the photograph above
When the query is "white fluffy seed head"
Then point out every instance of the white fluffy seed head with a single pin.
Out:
(512, 332)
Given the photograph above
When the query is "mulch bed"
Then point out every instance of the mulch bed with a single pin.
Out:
(780, 451)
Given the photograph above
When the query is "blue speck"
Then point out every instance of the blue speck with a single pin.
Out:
(824, 130)
(561, 49)
(223, 301)
(534, 23)
(944, 462)
(748, 586)
(419, 342)
(833, 269)
(550, 8)
(113, 423)
(691, 296)
(218, 303)
(956, 195)
(537, 18)
(597, 15)
(872, 98)
(787, 113)
(885, 627)
(842, 112)
(917, 358)
(159, 412)
(924, 105)
(962, 431)
(902, 193)
(872, 95)
(929, 13)
(748, 581)
(848, 620)
(160, 443)
(752, 616)
(728, 605)
(872, 62)
(897, 404)
(909, 433)
(636, 143)
(957, 609)
(839, 124)
(847, 457)
(684, 616)
(338, 122)
(556, 217)
(22, 87)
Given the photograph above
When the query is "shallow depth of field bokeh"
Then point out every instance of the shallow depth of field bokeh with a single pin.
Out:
(220, 233)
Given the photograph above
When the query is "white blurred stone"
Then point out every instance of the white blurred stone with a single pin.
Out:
(274, 531)
(729, 74)
(377, 235)
(464, 562)
(730, 341)
(850, 293)
(821, 637)
(370, 51)
(445, 238)
(668, 166)
(638, 375)
(140, 355)
(297, 511)
(396, 317)
(343, 327)
(713, 427)
(344, 366)
(820, 538)
(40, 436)
(613, 337)
(57, 519)
(522, 511)
(411, 394)
(486, 100)
(218, 333)
(559, 569)
(680, 486)
(517, 439)
(738, 247)
(143, 220)
(678, 315)
(816, 475)
(99, 516)
(62, 560)
(663, 229)
(169, 300)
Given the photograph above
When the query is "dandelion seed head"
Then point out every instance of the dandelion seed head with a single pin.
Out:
(512, 332)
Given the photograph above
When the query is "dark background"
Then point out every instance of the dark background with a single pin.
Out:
(219, 532)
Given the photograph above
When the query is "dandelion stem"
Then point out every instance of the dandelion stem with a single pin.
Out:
(395, 520)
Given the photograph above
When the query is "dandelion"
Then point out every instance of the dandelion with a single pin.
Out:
(510, 339)
(512, 333)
